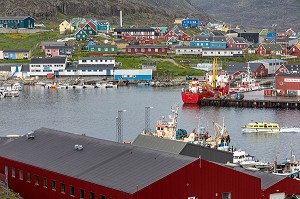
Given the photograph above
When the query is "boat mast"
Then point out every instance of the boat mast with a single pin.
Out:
(214, 73)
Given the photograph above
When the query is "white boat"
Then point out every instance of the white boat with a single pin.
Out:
(239, 156)
(289, 168)
(9, 93)
(88, 86)
(106, 85)
(262, 165)
(261, 127)
(77, 86)
(17, 86)
(249, 161)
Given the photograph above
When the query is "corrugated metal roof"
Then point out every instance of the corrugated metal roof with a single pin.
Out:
(267, 179)
(183, 148)
(157, 143)
(242, 67)
(96, 58)
(48, 60)
(90, 67)
(110, 164)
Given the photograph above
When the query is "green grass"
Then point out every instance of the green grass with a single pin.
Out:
(14, 41)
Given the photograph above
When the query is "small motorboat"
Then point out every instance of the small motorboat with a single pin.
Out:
(261, 127)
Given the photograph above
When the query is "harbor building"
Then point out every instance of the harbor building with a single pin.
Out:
(288, 83)
(48, 164)
(133, 75)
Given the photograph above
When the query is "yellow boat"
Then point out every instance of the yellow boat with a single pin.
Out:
(264, 127)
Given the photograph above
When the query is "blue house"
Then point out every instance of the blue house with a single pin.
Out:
(91, 43)
(102, 26)
(218, 42)
(190, 23)
(270, 36)
(133, 75)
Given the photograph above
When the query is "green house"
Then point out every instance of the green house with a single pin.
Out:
(90, 28)
(103, 49)
(81, 35)
(103, 26)
(16, 22)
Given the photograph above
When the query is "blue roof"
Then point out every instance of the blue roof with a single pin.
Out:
(272, 60)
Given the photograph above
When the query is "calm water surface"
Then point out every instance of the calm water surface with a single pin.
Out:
(94, 111)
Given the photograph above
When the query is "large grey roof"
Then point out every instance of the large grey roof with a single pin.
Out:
(293, 67)
(157, 143)
(16, 50)
(241, 67)
(48, 60)
(239, 40)
(148, 46)
(110, 164)
(134, 30)
(267, 179)
(54, 43)
(183, 148)
(59, 47)
(25, 68)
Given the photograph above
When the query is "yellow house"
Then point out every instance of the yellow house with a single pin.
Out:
(65, 25)
(178, 20)
(121, 45)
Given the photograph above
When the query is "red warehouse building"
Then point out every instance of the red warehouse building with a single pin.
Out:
(54, 164)
(287, 83)
(147, 50)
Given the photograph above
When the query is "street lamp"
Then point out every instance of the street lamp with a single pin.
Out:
(147, 120)
(119, 126)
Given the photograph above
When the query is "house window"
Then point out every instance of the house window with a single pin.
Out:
(62, 188)
(53, 185)
(112, 49)
(142, 50)
(102, 197)
(129, 50)
(226, 195)
(45, 184)
(81, 193)
(20, 175)
(92, 195)
(105, 49)
(13, 172)
(149, 49)
(6, 170)
(136, 50)
(28, 177)
(156, 50)
(72, 191)
(85, 60)
(36, 180)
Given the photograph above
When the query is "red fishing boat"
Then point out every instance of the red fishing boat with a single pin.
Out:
(215, 85)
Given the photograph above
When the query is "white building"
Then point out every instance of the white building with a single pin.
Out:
(188, 50)
(97, 60)
(271, 64)
(44, 66)
(217, 52)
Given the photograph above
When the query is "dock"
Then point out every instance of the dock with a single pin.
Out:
(251, 103)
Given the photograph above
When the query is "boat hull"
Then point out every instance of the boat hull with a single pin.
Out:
(257, 130)
(195, 98)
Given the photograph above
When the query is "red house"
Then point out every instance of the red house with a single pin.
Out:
(268, 49)
(295, 50)
(52, 164)
(286, 82)
(236, 70)
(171, 34)
(237, 42)
(288, 68)
(147, 50)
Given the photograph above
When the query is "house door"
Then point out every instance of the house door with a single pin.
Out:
(108, 72)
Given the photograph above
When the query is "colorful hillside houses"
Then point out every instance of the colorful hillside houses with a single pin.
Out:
(81, 35)
(209, 42)
(16, 54)
(160, 30)
(237, 42)
(179, 34)
(173, 41)
(17, 22)
(65, 26)
(76, 21)
(100, 50)
(290, 32)
(90, 28)
(121, 44)
(295, 50)
(268, 49)
(63, 51)
(190, 23)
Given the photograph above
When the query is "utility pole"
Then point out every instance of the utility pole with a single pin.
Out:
(147, 120)
(119, 126)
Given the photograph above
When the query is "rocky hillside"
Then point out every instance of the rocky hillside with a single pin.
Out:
(254, 13)
(149, 10)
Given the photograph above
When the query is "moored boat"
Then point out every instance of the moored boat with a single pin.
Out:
(215, 85)
(263, 127)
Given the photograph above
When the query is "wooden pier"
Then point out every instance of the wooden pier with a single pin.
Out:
(251, 103)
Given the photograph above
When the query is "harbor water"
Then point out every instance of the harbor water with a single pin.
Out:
(93, 112)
